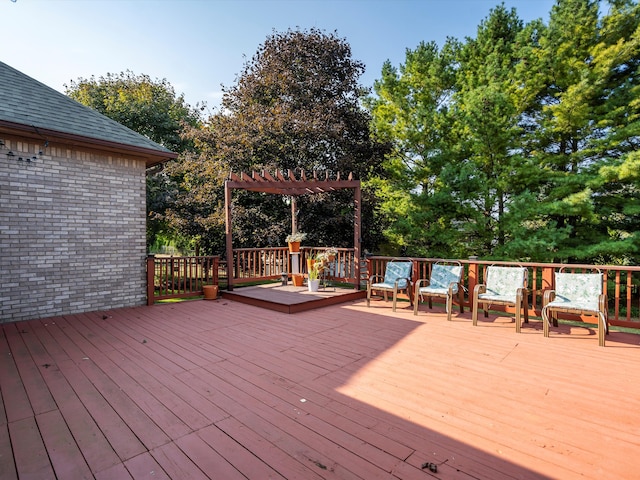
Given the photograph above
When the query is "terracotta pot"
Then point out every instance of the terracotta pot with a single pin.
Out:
(298, 279)
(210, 292)
(294, 247)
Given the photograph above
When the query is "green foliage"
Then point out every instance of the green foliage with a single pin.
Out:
(520, 143)
(296, 105)
(149, 107)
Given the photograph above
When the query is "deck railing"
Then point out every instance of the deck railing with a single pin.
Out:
(257, 264)
(179, 277)
(621, 284)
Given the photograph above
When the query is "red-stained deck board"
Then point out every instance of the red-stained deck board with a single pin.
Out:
(316, 410)
(116, 472)
(284, 427)
(281, 400)
(302, 465)
(95, 448)
(192, 408)
(7, 465)
(35, 387)
(237, 452)
(65, 456)
(208, 459)
(29, 452)
(14, 396)
(150, 420)
(180, 339)
(176, 464)
(120, 437)
(145, 466)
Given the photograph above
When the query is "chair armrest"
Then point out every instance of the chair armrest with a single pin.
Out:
(478, 289)
(602, 303)
(549, 296)
(409, 283)
(420, 281)
(372, 278)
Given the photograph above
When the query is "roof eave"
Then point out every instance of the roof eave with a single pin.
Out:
(151, 156)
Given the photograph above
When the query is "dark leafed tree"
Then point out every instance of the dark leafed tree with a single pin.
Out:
(153, 109)
(296, 105)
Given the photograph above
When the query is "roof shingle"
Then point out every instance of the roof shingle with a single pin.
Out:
(28, 102)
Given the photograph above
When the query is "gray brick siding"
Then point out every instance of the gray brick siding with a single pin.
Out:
(72, 231)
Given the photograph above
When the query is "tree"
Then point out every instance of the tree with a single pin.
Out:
(533, 153)
(151, 108)
(411, 112)
(296, 105)
(586, 119)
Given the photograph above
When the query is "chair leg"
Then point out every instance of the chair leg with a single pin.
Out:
(416, 302)
(545, 321)
(368, 295)
(518, 311)
(449, 306)
(474, 314)
(395, 297)
(603, 329)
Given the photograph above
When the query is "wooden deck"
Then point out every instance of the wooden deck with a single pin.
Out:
(224, 390)
(290, 299)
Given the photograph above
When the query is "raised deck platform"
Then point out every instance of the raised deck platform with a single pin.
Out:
(290, 299)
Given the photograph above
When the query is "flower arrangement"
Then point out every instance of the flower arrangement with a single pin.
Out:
(315, 270)
(296, 237)
(328, 255)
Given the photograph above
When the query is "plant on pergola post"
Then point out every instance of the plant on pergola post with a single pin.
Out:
(292, 187)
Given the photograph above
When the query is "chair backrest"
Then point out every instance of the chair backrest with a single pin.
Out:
(579, 288)
(504, 281)
(442, 275)
(400, 271)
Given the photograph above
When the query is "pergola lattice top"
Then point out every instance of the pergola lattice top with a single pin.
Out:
(290, 185)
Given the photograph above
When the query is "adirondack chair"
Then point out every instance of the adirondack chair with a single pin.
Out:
(444, 281)
(397, 278)
(581, 293)
(503, 286)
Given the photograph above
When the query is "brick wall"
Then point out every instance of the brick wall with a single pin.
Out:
(72, 231)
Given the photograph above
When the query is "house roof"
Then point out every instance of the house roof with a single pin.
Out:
(31, 108)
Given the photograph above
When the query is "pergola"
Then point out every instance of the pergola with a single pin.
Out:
(293, 187)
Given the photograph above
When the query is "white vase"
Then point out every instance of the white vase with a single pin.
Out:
(313, 285)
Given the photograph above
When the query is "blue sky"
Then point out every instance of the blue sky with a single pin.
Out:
(197, 45)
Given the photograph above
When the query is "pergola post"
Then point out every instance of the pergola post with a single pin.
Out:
(228, 236)
(294, 217)
(357, 233)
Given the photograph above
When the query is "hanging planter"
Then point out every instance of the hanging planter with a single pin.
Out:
(294, 247)
(294, 241)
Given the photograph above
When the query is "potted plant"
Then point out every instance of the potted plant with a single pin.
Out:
(314, 275)
(294, 240)
(210, 292)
